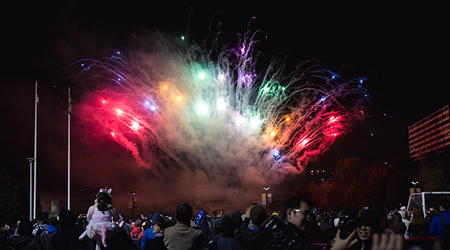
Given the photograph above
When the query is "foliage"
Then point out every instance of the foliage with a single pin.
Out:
(434, 173)
(9, 196)
(366, 185)
(14, 198)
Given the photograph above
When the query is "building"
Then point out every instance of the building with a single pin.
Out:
(319, 176)
(429, 134)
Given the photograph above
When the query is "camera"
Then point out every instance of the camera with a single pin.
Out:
(347, 226)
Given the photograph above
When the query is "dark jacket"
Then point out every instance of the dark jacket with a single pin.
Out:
(248, 238)
(20, 242)
(205, 232)
(66, 239)
(419, 231)
(279, 234)
(156, 243)
(46, 237)
(228, 244)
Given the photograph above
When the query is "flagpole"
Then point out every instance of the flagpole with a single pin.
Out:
(31, 160)
(68, 150)
(31, 189)
(36, 103)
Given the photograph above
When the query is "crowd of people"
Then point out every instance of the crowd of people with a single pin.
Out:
(299, 226)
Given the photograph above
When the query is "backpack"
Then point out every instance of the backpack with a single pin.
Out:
(135, 238)
(445, 235)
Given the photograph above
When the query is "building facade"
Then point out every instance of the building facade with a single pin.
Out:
(429, 134)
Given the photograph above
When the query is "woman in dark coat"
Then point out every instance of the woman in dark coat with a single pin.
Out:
(418, 227)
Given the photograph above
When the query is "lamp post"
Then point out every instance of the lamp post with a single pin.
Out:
(132, 203)
(414, 183)
(267, 201)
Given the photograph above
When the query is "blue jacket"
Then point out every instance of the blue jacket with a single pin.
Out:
(436, 224)
(148, 235)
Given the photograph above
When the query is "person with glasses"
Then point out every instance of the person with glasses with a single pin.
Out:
(290, 230)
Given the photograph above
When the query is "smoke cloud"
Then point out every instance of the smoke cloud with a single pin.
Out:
(202, 127)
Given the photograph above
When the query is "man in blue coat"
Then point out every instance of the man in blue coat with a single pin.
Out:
(436, 224)
(148, 233)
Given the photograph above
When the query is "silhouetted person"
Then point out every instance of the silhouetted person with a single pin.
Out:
(25, 238)
(66, 238)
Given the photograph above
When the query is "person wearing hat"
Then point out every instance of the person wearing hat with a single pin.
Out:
(248, 236)
(367, 224)
(157, 243)
(148, 233)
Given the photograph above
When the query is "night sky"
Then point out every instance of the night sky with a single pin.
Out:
(402, 51)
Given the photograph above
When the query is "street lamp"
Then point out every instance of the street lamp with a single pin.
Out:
(267, 201)
(414, 183)
(132, 203)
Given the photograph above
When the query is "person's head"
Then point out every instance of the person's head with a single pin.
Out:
(103, 199)
(402, 213)
(237, 219)
(155, 218)
(396, 219)
(54, 221)
(418, 219)
(380, 213)
(25, 228)
(45, 221)
(67, 219)
(258, 215)
(350, 211)
(227, 227)
(138, 223)
(160, 226)
(215, 213)
(184, 214)
(445, 205)
(367, 224)
(326, 219)
(296, 211)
